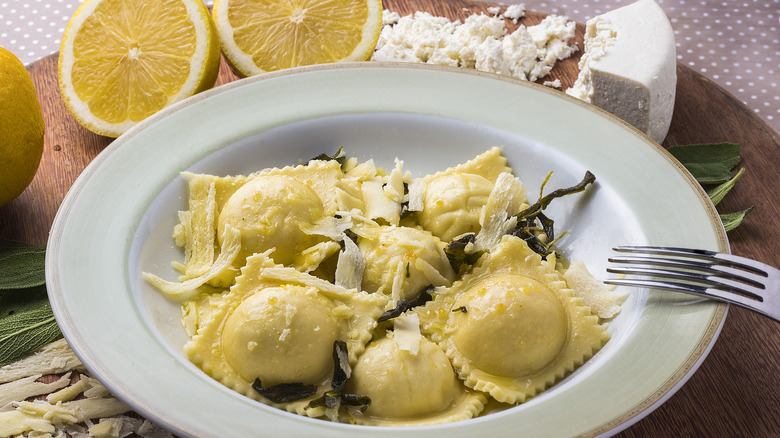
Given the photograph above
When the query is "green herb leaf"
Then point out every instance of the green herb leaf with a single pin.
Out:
(402, 305)
(708, 163)
(339, 157)
(544, 201)
(362, 402)
(718, 193)
(284, 392)
(26, 323)
(341, 368)
(342, 371)
(457, 255)
(533, 224)
(21, 265)
(732, 220)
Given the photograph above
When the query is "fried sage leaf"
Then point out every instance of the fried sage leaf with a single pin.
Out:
(339, 157)
(457, 254)
(342, 371)
(544, 201)
(403, 305)
(284, 392)
(536, 229)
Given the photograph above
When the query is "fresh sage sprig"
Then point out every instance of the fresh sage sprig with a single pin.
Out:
(21, 265)
(712, 164)
(26, 319)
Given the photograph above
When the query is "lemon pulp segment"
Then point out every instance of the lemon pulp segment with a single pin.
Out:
(269, 35)
(123, 60)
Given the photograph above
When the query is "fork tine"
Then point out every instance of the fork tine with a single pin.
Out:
(710, 256)
(708, 281)
(722, 271)
(699, 291)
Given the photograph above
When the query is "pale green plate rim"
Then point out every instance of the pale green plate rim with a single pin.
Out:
(86, 261)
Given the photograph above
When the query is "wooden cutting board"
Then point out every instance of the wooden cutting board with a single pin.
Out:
(736, 391)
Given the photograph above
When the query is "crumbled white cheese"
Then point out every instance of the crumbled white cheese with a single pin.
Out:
(515, 12)
(390, 17)
(480, 41)
(553, 84)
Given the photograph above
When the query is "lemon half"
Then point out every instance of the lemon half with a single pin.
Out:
(266, 35)
(123, 60)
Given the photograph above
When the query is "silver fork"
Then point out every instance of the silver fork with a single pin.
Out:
(723, 277)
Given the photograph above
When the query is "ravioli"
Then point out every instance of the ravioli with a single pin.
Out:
(410, 388)
(294, 196)
(269, 212)
(278, 325)
(454, 198)
(402, 261)
(511, 327)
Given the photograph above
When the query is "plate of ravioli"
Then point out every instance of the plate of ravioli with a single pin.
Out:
(380, 248)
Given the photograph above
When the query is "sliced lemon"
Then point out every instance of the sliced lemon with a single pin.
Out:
(123, 60)
(266, 35)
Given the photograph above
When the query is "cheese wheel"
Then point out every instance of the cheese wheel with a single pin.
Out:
(629, 67)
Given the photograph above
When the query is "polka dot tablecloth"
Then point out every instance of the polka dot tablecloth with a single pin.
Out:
(735, 43)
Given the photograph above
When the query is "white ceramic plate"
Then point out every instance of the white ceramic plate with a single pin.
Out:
(117, 219)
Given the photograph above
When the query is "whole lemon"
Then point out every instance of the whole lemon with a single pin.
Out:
(21, 128)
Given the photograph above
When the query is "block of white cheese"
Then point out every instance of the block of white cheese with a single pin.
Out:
(629, 66)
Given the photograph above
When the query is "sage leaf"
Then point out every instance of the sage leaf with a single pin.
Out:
(708, 163)
(284, 392)
(21, 265)
(732, 220)
(26, 323)
(457, 255)
(718, 193)
(402, 305)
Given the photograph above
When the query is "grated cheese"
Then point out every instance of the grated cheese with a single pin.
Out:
(603, 302)
(53, 358)
(29, 387)
(504, 201)
(350, 266)
(407, 334)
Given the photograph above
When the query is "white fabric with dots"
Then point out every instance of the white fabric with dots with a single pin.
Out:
(735, 43)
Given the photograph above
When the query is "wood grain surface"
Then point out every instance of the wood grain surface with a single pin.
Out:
(735, 392)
